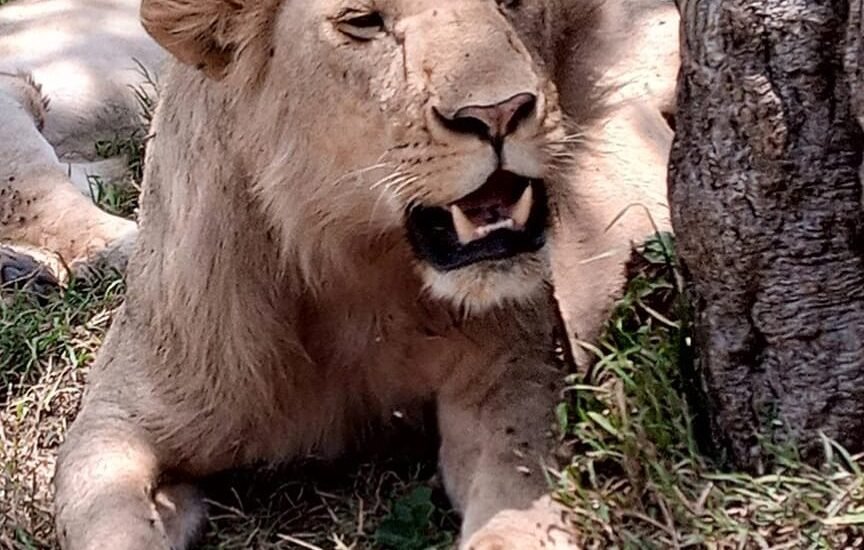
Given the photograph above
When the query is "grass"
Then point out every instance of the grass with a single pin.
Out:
(638, 479)
(121, 198)
(387, 501)
(44, 353)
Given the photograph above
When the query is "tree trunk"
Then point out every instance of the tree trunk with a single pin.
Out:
(766, 203)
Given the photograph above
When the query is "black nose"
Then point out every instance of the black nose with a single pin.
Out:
(492, 122)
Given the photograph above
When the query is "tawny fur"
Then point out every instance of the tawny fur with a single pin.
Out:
(619, 188)
(274, 305)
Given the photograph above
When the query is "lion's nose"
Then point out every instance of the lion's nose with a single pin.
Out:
(492, 122)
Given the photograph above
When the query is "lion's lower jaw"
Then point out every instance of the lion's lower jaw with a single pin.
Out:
(481, 287)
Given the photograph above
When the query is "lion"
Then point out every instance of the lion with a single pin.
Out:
(40, 207)
(347, 209)
(619, 185)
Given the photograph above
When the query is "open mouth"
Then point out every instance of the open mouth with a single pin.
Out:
(507, 216)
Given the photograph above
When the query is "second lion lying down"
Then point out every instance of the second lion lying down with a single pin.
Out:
(346, 210)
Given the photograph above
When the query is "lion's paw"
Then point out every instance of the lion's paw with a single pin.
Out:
(507, 538)
(113, 258)
(542, 527)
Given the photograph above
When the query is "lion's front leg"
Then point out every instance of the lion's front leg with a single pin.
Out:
(496, 440)
(109, 488)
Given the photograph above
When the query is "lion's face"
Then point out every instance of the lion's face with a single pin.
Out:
(435, 120)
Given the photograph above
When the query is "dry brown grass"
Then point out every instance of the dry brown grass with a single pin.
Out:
(44, 353)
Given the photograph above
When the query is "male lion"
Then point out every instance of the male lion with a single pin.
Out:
(345, 210)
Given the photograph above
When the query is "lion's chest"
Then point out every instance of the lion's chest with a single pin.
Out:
(379, 351)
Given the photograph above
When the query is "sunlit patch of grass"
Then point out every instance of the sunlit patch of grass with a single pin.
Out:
(118, 199)
(66, 327)
(121, 198)
(638, 477)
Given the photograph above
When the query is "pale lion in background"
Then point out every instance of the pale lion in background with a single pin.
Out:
(67, 69)
(39, 205)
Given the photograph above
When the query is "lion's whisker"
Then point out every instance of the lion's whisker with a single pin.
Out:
(400, 188)
(360, 172)
(375, 207)
(387, 180)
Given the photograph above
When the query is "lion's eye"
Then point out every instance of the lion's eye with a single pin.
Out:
(362, 26)
(510, 4)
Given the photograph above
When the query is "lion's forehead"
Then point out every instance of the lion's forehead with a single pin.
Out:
(536, 16)
(442, 8)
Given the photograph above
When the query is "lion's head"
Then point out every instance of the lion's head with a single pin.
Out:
(440, 125)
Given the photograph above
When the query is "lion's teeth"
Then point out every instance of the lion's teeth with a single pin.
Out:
(468, 231)
(484, 231)
(465, 229)
(522, 209)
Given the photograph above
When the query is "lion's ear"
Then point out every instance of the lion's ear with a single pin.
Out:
(197, 32)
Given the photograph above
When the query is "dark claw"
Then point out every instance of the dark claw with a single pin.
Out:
(20, 271)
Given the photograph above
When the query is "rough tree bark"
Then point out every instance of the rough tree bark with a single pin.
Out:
(766, 203)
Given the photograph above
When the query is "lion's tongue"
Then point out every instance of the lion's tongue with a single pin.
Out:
(504, 202)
